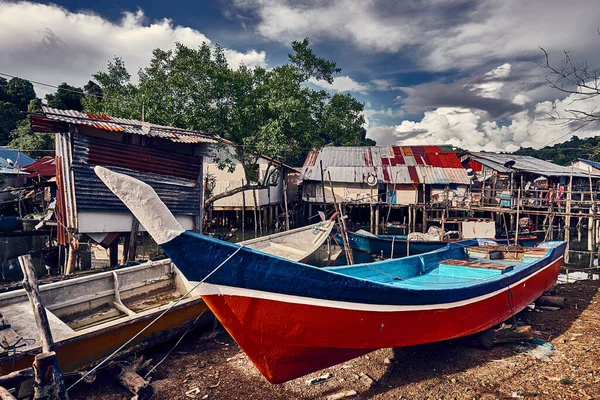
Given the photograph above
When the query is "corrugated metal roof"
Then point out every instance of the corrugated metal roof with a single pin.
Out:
(18, 159)
(401, 165)
(46, 121)
(527, 164)
(591, 163)
(45, 167)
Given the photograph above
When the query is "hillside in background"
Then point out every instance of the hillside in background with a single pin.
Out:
(562, 153)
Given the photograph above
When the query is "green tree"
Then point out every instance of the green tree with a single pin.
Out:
(20, 93)
(263, 112)
(24, 139)
(15, 94)
(67, 97)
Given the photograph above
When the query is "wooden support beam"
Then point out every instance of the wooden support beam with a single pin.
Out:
(285, 203)
(132, 248)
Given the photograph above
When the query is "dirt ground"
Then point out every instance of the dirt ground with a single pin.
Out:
(213, 366)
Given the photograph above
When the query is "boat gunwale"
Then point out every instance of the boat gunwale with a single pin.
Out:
(88, 278)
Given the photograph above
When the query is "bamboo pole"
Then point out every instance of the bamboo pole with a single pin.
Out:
(342, 227)
(518, 210)
(285, 203)
(255, 212)
(323, 187)
(243, 212)
(567, 229)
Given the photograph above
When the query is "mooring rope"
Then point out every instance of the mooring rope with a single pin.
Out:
(155, 319)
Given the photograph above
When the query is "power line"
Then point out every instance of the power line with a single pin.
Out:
(83, 93)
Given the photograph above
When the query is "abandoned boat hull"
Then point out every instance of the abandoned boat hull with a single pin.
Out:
(81, 344)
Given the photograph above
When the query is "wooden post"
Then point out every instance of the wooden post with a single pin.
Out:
(323, 187)
(567, 234)
(70, 259)
(377, 219)
(243, 212)
(371, 227)
(393, 240)
(285, 204)
(592, 211)
(342, 227)
(518, 212)
(443, 225)
(255, 213)
(135, 226)
(48, 378)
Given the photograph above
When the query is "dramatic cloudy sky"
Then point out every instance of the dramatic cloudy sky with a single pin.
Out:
(461, 72)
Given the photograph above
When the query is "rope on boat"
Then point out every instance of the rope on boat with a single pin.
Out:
(176, 344)
(155, 319)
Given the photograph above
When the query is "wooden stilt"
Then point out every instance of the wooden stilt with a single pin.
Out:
(135, 226)
(342, 227)
(243, 213)
(285, 204)
(377, 219)
(255, 213)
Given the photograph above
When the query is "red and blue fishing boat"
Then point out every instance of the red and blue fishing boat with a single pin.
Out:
(292, 319)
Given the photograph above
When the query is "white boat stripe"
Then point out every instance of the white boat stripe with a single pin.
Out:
(221, 290)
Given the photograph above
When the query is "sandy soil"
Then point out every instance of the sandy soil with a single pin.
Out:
(449, 370)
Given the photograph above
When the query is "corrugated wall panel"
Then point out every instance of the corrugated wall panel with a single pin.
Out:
(181, 195)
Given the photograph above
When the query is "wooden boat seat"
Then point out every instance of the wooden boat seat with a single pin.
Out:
(478, 264)
(285, 248)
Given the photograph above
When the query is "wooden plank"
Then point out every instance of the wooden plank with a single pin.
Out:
(477, 264)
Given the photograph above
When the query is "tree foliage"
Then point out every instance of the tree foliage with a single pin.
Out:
(262, 111)
(67, 97)
(15, 96)
(563, 153)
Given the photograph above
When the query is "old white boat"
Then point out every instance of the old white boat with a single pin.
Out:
(92, 316)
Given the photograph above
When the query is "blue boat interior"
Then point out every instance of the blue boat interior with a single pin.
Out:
(458, 264)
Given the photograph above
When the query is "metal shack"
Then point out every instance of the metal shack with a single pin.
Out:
(394, 176)
(168, 159)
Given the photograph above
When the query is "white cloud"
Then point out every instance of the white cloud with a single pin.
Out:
(51, 44)
(341, 84)
(472, 129)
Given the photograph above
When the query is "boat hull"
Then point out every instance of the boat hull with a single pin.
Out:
(287, 338)
(82, 351)
(386, 246)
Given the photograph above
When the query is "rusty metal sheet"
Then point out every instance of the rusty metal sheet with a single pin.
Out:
(112, 124)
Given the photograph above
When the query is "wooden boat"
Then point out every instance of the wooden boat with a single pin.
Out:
(384, 245)
(92, 316)
(292, 319)
(300, 244)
